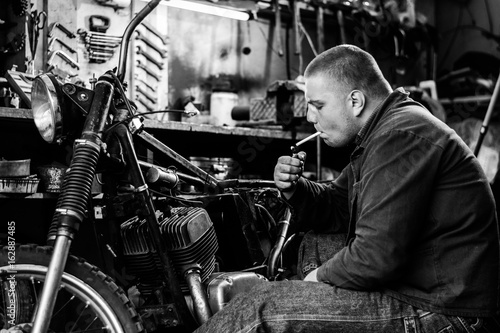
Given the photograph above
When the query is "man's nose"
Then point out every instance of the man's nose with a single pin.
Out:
(310, 116)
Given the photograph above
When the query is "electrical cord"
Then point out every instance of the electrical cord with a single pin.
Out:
(272, 48)
(181, 200)
(453, 38)
(308, 37)
(473, 26)
(488, 12)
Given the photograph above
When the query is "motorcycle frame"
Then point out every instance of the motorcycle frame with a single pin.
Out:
(90, 145)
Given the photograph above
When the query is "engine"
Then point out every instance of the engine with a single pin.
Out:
(190, 238)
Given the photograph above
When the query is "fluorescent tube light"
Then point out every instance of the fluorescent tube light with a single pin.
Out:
(217, 10)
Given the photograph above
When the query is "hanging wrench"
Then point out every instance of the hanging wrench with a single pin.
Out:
(65, 57)
(104, 35)
(150, 28)
(92, 35)
(147, 70)
(60, 27)
(98, 59)
(99, 39)
(55, 39)
(146, 94)
(150, 87)
(103, 45)
(95, 53)
(162, 52)
(148, 105)
(149, 57)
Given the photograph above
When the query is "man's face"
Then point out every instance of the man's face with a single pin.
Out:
(330, 111)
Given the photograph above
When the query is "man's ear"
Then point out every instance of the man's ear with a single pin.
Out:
(357, 102)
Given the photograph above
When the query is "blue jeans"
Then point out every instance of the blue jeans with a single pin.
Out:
(299, 306)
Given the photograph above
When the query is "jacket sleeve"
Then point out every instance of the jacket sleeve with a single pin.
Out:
(391, 202)
(321, 207)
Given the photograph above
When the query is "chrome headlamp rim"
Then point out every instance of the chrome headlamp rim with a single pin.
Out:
(46, 100)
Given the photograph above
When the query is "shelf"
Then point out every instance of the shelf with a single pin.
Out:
(466, 99)
(15, 113)
(225, 130)
(11, 113)
(28, 195)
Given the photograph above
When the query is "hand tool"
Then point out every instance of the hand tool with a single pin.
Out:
(96, 53)
(110, 41)
(98, 58)
(301, 142)
(101, 36)
(162, 52)
(143, 92)
(104, 49)
(60, 27)
(147, 70)
(96, 34)
(93, 44)
(37, 22)
(53, 40)
(150, 28)
(146, 104)
(99, 23)
(149, 57)
(64, 56)
(150, 87)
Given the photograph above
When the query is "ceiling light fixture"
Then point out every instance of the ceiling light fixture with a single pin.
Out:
(218, 10)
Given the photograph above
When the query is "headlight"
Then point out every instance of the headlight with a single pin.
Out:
(46, 100)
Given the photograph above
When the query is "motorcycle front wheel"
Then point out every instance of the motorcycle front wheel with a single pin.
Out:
(87, 301)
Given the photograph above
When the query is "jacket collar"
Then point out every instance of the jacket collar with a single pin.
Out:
(396, 96)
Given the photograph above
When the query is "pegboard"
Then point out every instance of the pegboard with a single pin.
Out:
(95, 30)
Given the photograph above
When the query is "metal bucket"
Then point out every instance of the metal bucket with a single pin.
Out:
(17, 168)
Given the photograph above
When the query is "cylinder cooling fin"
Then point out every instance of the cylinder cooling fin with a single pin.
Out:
(190, 239)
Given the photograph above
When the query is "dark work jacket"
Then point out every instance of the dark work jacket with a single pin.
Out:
(419, 214)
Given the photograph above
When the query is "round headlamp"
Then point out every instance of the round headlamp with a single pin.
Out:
(46, 100)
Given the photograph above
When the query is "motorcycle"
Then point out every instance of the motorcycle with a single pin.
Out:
(174, 259)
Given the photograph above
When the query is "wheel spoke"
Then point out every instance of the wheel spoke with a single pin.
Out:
(63, 306)
(92, 330)
(32, 279)
(79, 316)
(87, 329)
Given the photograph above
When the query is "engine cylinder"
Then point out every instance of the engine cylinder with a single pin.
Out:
(190, 239)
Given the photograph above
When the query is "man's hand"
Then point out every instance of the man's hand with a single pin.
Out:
(312, 276)
(288, 171)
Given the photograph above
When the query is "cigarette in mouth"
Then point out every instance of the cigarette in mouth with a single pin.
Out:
(310, 137)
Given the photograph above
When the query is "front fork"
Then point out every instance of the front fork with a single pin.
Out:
(74, 198)
(173, 289)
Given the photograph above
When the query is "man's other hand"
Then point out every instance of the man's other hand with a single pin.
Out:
(288, 171)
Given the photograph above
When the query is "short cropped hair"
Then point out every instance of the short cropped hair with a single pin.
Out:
(352, 68)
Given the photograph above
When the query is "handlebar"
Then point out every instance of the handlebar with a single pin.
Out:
(122, 60)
